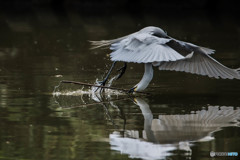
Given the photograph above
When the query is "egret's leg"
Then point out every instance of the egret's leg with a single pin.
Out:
(122, 69)
(102, 83)
(108, 74)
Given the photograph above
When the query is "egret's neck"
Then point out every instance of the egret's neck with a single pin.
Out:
(147, 77)
(148, 119)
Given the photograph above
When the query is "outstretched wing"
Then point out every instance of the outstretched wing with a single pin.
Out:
(202, 64)
(143, 48)
(167, 53)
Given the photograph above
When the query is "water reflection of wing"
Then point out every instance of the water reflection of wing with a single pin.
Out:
(188, 127)
(173, 131)
(193, 127)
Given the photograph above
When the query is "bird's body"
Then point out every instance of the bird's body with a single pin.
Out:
(153, 47)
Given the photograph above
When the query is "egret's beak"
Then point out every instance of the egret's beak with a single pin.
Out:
(135, 88)
(132, 89)
(135, 100)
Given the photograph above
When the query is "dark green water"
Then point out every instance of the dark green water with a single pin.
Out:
(185, 117)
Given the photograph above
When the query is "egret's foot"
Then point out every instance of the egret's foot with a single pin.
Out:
(122, 71)
(101, 83)
(132, 90)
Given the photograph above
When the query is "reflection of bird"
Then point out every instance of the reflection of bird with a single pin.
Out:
(169, 132)
(153, 47)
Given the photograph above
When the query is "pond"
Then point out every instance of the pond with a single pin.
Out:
(185, 116)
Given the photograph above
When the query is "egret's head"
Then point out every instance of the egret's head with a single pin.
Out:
(154, 31)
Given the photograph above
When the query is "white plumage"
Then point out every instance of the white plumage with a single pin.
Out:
(153, 45)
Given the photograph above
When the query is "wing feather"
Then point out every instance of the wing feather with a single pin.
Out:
(144, 48)
(201, 64)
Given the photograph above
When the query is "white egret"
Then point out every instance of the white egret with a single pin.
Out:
(153, 47)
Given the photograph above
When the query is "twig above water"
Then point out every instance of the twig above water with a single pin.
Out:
(95, 85)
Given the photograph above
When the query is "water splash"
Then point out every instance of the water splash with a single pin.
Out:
(70, 90)
(78, 92)
(69, 96)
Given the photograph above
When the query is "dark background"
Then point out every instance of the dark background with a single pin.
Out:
(45, 41)
(92, 7)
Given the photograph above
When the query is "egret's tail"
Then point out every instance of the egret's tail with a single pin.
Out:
(101, 44)
(105, 43)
